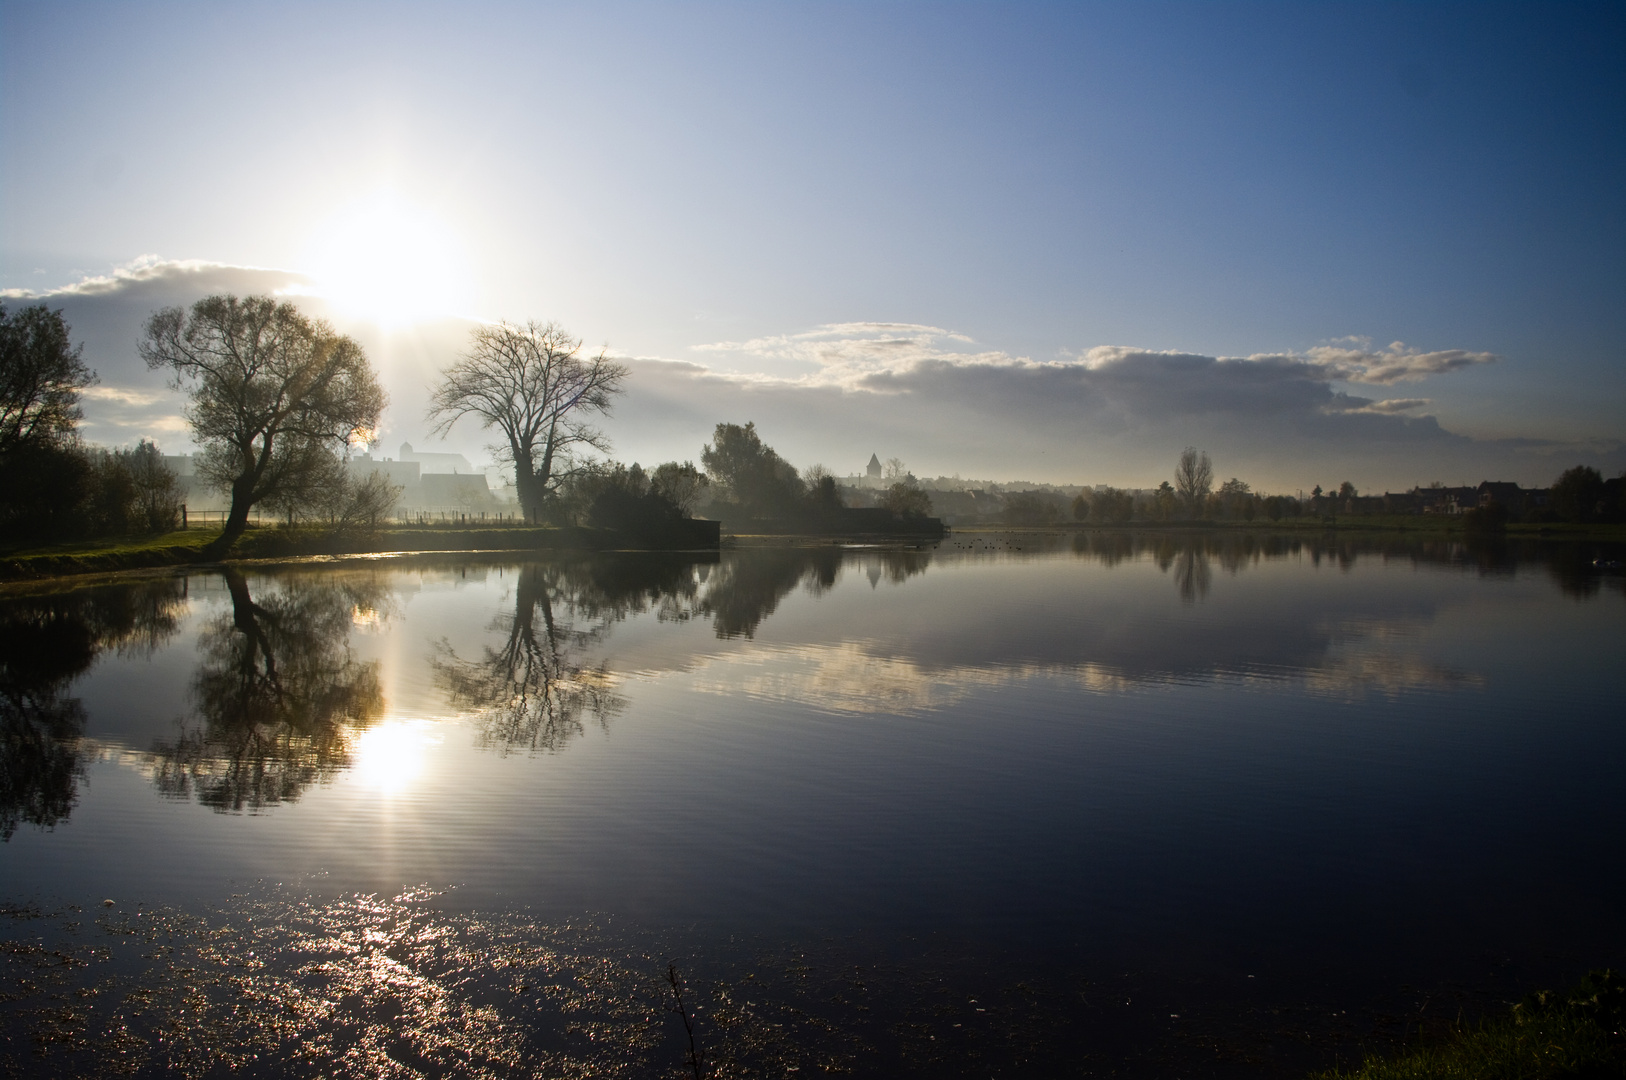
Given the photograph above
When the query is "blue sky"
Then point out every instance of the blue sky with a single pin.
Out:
(904, 228)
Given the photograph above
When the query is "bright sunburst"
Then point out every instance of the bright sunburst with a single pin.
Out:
(388, 261)
(391, 755)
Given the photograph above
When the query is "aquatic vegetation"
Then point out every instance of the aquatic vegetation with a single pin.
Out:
(1581, 1033)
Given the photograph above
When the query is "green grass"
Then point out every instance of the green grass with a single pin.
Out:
(106, 555)
(111, 555)
(1578, 1034)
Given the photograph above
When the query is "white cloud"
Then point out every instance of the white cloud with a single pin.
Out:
(1354, 360)
(1392, 406)
(850, 354)
(122, 395)
(927, 394)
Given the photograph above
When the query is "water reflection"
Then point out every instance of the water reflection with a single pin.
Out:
(1191, 555)
(276, 700)
(276, 695)
(532, 691)
(748, 588)
(46, 643)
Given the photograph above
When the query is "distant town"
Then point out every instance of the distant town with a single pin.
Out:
(435, 484)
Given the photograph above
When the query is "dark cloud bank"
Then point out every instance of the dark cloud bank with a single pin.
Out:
(1110, 415)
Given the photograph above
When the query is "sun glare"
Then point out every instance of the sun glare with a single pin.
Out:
(391, 755)
(390, 262)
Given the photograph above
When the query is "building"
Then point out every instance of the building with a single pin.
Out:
(437, 463)
(873, 469)
(403, 474)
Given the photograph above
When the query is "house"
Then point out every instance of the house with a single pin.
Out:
(403, 474)
(1509, 496)
(1444, 500)
(454, 491)
(437, 463)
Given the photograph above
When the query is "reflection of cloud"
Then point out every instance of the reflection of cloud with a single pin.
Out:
(1353, 674)
(852, 677)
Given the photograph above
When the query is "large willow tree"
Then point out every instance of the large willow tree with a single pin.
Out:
(533, 385)
(276, 397)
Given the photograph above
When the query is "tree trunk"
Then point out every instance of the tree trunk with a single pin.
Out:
(236, 522)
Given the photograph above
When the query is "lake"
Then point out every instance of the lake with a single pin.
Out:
(1102, 803)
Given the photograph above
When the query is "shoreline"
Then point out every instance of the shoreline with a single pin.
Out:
(277, 545)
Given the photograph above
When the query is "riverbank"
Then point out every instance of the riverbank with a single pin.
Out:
(1576, 1034)
(1441, 525)
(186, 546)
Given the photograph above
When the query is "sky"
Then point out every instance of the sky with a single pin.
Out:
(1376, 242)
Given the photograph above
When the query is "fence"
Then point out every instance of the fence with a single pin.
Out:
(203, 517)
(458, 516)
(418, 516)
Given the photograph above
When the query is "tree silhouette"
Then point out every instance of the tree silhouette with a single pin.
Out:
(276, 698)
(45, 644)
(275, 398)
(532, 691)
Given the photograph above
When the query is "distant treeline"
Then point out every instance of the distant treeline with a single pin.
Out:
(52, 486)
(1579, 495)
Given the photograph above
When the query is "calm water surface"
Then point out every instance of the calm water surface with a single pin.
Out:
(1011, 805)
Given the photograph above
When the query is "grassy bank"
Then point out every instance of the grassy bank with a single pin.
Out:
(1578, 1034)
(186, 546)
(1430, 525)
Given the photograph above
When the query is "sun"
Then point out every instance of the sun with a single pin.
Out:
(388, 261)
(390, 756)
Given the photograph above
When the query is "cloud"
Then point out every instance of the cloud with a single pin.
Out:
(107, 312)
(1354, 360)
(930, 395)
(1391, 406)
(858, 355)
(936, 398)
(121, 395)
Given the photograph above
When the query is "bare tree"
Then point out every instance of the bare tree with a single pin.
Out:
(274, 397)
(1193, 479)
(531, 383)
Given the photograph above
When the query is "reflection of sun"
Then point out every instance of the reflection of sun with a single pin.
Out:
(388, 261)
(391, 755)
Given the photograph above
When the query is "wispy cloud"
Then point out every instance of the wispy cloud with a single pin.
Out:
(1392, 406)
(853, 355)
(123, 395)
(155, 269)
(1354, 360)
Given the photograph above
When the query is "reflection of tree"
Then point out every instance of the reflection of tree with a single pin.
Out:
(748, 586)
(45, 643)
(1191, 573)
(533, 690)
(276, 696)
(1190, 554)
